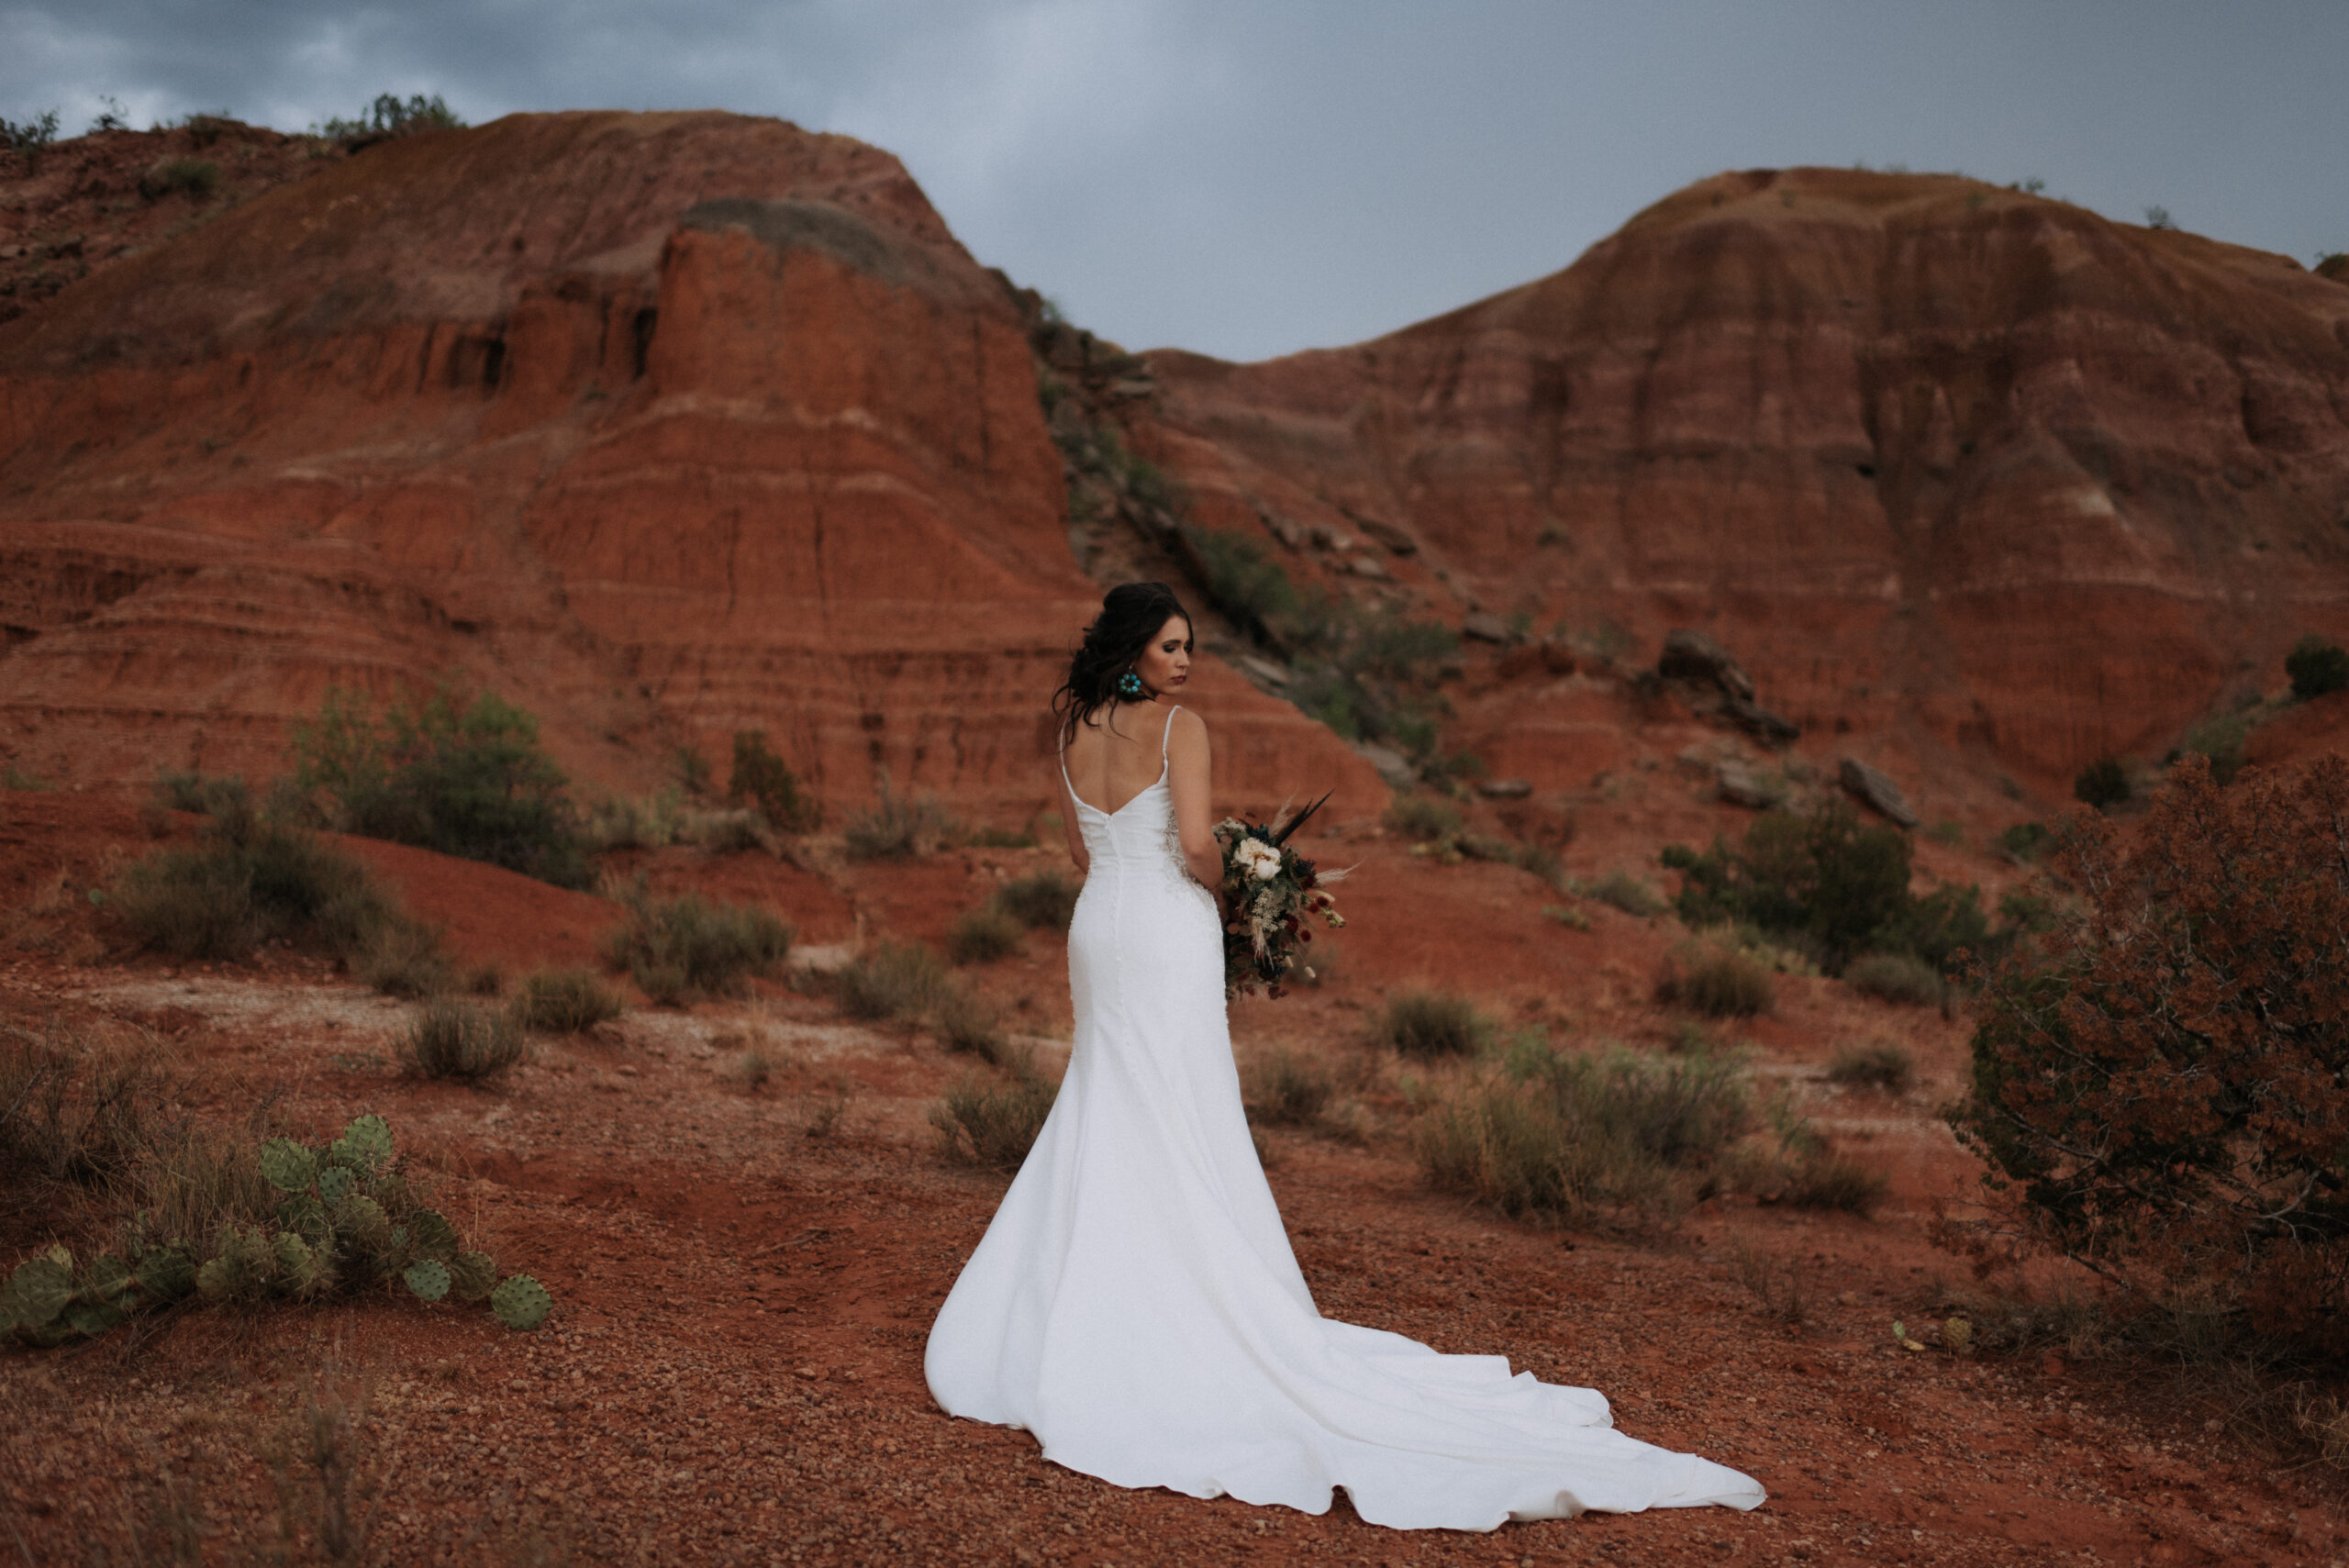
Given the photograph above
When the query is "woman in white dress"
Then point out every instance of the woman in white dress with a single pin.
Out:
(1135, 1304)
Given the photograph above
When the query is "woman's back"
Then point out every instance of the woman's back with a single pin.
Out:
(1117, 754)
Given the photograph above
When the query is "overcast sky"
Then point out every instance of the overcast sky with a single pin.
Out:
(1251, 177)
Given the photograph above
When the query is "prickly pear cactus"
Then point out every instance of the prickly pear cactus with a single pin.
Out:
(435, 1237)
(470, 1275)
(428, 1279)
(334, 1184)
(164, 1274)
(521, 1302)
(365, 1145)
(287, 1166)
(363, 1226)
(38, 1291)
(300, 1270)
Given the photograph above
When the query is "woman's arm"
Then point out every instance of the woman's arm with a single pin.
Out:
(1075, 834)
(1186, 778)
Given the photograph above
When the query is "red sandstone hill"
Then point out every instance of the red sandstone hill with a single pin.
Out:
(1990, 484)
(661, 425)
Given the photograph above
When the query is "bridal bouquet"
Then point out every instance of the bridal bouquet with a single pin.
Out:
(1271, 894)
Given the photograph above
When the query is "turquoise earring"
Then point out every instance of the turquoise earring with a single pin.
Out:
(1130, 687)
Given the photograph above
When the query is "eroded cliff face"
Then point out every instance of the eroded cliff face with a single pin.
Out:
(661, 425)
(1973, 479)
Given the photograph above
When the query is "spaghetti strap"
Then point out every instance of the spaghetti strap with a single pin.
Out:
(1162, 736)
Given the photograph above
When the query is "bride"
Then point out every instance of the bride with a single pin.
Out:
(1135, 1304)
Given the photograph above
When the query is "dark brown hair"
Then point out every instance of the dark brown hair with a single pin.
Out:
(1130, 614)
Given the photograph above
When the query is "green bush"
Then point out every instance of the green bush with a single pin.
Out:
(1044, 901)
(682, 949)
(205, 795)
(1422, 819)
(760, 778)
(2102, 784)
(895, 980)
(966, 1022)
(1286, 1087)
(895, 829)
(2026, 840)
(462, 778)
(565, 1001)
(246, 881)
(1575, 1138)
(1882, 1065)
(391, 115)
(461, 1041)
(1897, 977)
(197, 177)
(981, 1126)
(2317, 668)
(1718, 982)
(1426, 1023)
(1620, 889)
(982, 935)
(1802, 1171)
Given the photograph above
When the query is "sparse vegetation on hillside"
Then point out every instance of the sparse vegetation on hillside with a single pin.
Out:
(2157, 1079)
(565, 1001)
(1882, 1065)
(1044, 900)
(1582, 1139)
(1716, 980)
(683, 948)
(463, 777)
(1431, 1023)
(895, 828)
(2102, 785)
(2317, 668)
(759, 778)
(463, 1041)
(391, 115)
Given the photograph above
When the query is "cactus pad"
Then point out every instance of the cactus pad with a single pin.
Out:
(38, 1291)
(365, 1144)
(435, 1237)
(165, 1274)
(521, 1302)
(429, 1279)
(362, 1223)
(470, 1275)
(287, 1166)
(104, 1278)
(334, 1184)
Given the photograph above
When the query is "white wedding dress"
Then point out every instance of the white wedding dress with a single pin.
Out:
(1135, 1304)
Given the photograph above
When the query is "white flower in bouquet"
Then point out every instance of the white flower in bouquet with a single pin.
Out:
(1260, 860)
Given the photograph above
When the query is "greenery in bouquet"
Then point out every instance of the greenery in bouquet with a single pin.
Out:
(1271, 897)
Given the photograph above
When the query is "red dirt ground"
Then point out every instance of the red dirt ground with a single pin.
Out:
(744, 1272)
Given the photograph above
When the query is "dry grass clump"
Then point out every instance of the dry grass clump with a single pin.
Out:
(565, 1001)
(895, 980)
(978, 1125)
(982, 935)
(71, 1111)
(461, 1041)
(1422, 819)
(1881, 1065)
(679, 949)
(1777, 1285)
(1045, 900)
(894, 829)
(1578, 1138)
(248, 880)
(1897, 977)
(1718, 982)
(1620, 889)
(1430, 1023)
(1802, 1169)
(1286, 1087)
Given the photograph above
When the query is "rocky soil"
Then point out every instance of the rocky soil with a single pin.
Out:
(745, 1262)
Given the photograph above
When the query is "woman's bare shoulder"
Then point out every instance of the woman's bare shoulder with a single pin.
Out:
(1187, 728)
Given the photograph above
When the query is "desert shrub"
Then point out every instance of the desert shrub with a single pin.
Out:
(2155, 1080)
(681, 949)
(1422, 819)
(246, 881)
(1882, 1065)
(2102, 784)
(391, 115)
(1824, 876)
(2317, 668)
(1718, 982)
(205, 795)
(1576, 1138)
(197, 177)
(2026, 840)
(1897, 977)
(1428, 1023)
(1045, 900)
(565, 1001)
(645, 822)
(977, 1125)
(1802, 1169)
(463, 1041)
(982, 935)
(1286, 1087)
(465, 778)
(762, 778)
(732, 832)
(894, 829)
(2221, 739)
(1251, 590)
(72, 1111)
(966, 1022)
(894, 981)
(1619, 889)
(29, 138)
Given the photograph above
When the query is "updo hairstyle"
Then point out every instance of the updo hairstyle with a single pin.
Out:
(1130, 614)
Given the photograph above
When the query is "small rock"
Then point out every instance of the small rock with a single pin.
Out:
(809, 1372)
(1369, 566)
(1324, 537)
(1690, 655)
(1386, 534)
(1741, 785)
(1505, 789)
(1486, 626)
(1392, 766)
(1760, 722)
(1133, 386)
(1875, 790)
(1288, 530)
(1261, 670)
